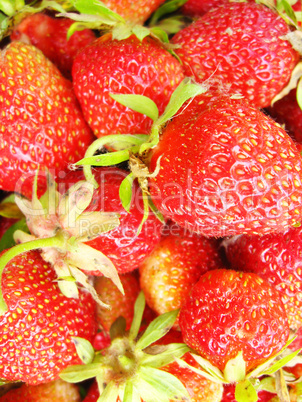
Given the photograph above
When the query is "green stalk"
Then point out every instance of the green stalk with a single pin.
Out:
(56, 241)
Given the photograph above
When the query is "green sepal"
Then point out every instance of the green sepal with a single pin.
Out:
(140, 32)
(139, 308)
(130, 393)
(138, 103)
(84, 349)
(209, 371)
(262, 368)
(110, 393)
(146, 211)
(8, 7)
(159, 386)
(286, 12)
(7, 240)
(156, 359)
(10, 210)
(235, 369)
(160, 34)
(245, 392)
(125, 191)
(280, 363)
(186, 89)
(109, 159)
(157, 328)
(118, 328)
(155, 211)
(95, 8)
(167, 8)
(78, 373)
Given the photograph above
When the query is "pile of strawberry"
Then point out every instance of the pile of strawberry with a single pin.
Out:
(151, 187)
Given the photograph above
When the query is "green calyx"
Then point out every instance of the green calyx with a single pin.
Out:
(130, 366)
(135, 148)
(247, 384)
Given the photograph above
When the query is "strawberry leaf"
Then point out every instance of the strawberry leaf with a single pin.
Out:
(139, 308)
(171, 351)
(245, 392)
(130, 393)
(138, 103)
(81, 372)
(125, 191)
(160, 386)
(157, 329)
(84, 349)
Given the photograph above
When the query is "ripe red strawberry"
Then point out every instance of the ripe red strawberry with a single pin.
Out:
(120, 305)
(241, 45)
(41, 122)
(37, 329)
(176, 263)
(276, 258)
(137, 12)
(226, 168)
(58, 391)
(288, 112)
(228, 312)
(50, 36)
(146, 68)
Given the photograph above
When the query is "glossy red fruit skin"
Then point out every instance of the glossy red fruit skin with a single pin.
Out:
(50, 36)
(36, 331)
(175, 264)
(41, 121)
(288, 112)
(122, 245)
(227, 312)
(137, 12)
(226, 168)
(146, 68)
(197, 8)
(277, 259)
(239, 45)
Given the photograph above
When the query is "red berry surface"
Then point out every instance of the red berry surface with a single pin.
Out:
(228, 312)
(241, 46)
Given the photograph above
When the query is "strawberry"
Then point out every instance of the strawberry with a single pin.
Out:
(50, 36)
(276, 258)
(226, 168)
(146, 68)
(41, 122)
(228, 313)
(93, 393)
(58, 390)
(136, 13)
(39, 323)
(175, 264)
(120, 305)
(241, 45)
(288, 112)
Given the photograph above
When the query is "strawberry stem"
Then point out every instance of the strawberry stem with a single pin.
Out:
(56, 241)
